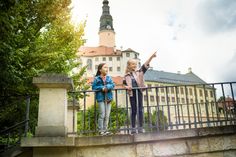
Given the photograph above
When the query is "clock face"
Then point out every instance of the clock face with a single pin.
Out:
(108, 27)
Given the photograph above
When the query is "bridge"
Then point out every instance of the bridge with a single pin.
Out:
(189, 124)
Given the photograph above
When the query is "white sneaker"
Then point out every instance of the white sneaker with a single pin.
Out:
(102, 133)
(107, 133)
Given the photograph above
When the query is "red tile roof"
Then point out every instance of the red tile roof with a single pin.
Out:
(118, 80)
(98, 51)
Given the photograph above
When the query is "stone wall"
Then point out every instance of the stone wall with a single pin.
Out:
(204, 142)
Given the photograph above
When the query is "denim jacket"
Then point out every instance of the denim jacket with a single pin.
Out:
(98, 85)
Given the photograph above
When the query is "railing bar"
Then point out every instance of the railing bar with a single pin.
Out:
(177, 99)
(95, 113)
(127, 110)
(216, 104)
(116, 103)
(224, 106)
(27, 115)
(73, 118)
(148, 110)
(234, 103)
(84, 111)
(163, 118)
(157, 109)
(187, 104)
(206, 105)
(197, 103)
(168, 107)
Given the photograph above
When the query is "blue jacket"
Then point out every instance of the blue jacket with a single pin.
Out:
(98, 85)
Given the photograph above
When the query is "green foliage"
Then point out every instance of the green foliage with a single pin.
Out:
(87, 119)
(36, 37)
(156, 121)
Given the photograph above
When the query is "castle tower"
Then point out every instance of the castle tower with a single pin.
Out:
(106, 31)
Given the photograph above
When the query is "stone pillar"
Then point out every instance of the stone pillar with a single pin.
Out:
(52, 114)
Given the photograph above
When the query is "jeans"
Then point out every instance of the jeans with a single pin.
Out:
(136, 101)
(104, 114)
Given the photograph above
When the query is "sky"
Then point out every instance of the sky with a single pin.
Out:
(200, 34)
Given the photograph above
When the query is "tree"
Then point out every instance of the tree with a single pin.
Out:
(158, 121)
(87, 119)
(36, 37)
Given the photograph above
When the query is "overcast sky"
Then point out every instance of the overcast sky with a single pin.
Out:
(200, 34)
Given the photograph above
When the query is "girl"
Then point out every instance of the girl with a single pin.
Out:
(103, 85)
(133, 79)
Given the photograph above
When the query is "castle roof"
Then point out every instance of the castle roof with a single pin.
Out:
(172, 78)
(118, 80)
(98, 51)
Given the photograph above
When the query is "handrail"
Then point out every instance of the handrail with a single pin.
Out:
(13, 127)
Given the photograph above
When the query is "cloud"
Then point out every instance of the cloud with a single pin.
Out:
(217, 15)
(175, 24)
(171, 19)
(229, 70)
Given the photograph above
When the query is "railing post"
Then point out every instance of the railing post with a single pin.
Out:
(27, 115)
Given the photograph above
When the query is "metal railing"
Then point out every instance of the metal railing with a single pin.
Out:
(164, 108)
(11, 136)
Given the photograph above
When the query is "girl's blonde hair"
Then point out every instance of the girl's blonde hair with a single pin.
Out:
(128, 68)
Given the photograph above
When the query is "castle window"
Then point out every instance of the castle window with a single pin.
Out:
(162, 99)
(173, 99)
(127, 54)
(110, 58)
(145, 98)
(89, 64)
(181, 90)
(200, 92)
(118, 58)
(211, 93)
(118, 68)
(152, 98)
(149, 87)
(110, 68)
(162, 90)
(103, 58)
(190, 91)
(96, 59)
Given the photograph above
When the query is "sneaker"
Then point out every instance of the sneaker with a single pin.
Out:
(141, 131)
(133, 131)
(107, 133)
(102, 133)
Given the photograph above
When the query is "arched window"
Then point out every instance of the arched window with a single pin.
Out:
(89, 64)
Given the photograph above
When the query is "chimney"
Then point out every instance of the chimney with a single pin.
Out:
(189, 70)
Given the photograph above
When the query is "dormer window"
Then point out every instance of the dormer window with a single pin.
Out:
(89, 64)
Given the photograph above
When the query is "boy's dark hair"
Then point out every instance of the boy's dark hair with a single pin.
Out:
(99, 68)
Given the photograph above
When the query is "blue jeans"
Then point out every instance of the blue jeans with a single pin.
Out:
(104, 114)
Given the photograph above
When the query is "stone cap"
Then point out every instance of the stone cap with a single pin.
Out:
(53, 80)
